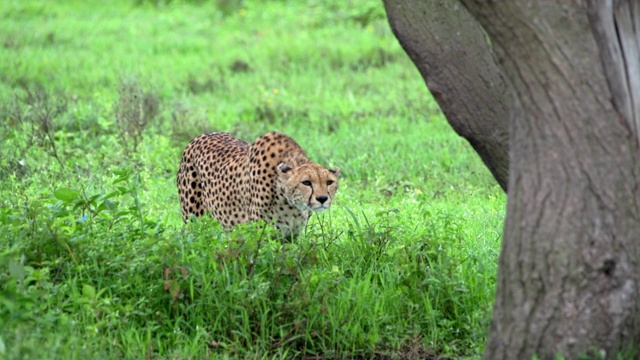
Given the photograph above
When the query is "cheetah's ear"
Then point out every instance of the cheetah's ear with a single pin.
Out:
(335, 171)
(283, 169)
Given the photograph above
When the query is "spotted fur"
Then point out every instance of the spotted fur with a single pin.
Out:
(271, 180)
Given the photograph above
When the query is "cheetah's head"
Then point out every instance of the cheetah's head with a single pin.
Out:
(308, 186)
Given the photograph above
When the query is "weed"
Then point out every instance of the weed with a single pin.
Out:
(373, 58)
(239, 66)
(187, 123)
(34, 110)
(135, 110)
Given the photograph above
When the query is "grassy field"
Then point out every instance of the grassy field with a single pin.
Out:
(97, 102)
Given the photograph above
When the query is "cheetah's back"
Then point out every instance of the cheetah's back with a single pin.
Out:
(211, 178)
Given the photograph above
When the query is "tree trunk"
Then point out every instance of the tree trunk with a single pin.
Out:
(441, 38)
(569, 269)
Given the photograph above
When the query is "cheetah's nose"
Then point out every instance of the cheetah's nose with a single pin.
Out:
(322, 199)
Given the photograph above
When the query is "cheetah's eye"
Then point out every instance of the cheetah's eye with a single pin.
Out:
(306, 183)
(329, 182)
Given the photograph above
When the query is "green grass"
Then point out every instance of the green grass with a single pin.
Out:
(94, 259)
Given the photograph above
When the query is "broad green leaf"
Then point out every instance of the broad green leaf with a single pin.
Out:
(88, 291)
(16, 270)
(66, 194)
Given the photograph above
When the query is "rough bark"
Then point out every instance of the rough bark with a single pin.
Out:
(616, 28)
(442, 38)
(569, 269)
(568, 279)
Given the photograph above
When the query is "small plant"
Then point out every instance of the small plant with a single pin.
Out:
(228, 7)
(199, 84)
(187, 122)
(35, 111)
(135, 110)
(239, 66)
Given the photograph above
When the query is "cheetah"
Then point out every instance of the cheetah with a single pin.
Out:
(271, 180)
